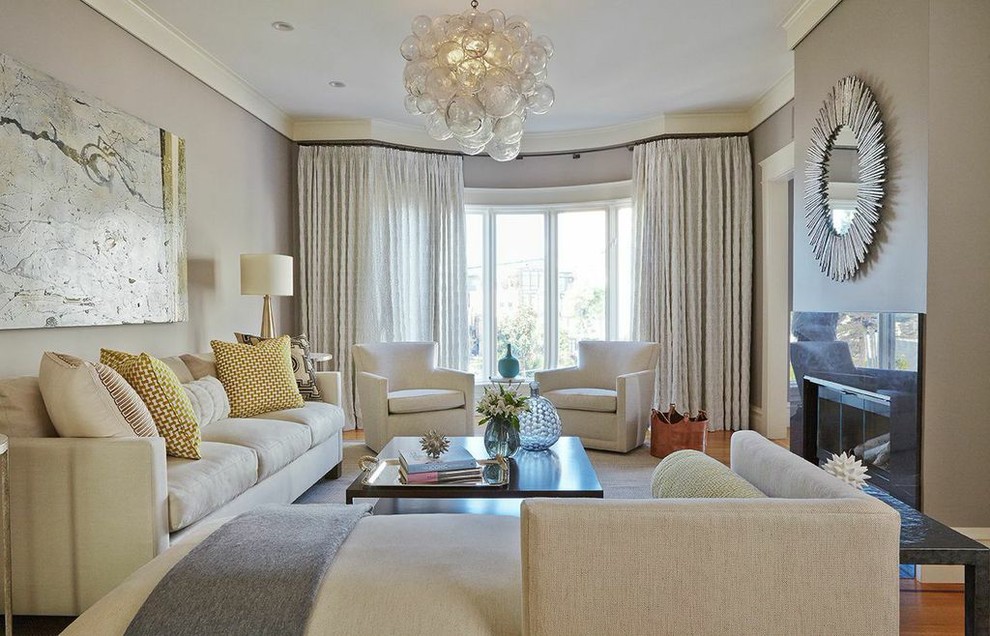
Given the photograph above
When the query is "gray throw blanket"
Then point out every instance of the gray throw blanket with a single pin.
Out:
(257, 574)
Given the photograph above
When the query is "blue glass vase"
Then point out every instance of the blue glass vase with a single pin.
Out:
(501, 438)
(508, 366)
(539, 427)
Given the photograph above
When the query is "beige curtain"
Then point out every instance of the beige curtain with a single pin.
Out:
(694, 243)
(382, 252)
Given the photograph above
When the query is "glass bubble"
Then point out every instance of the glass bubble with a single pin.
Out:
(504, 152)
(414, 77)
(475, 43)
(541, 100)
(484, 134)
(421, 25)
(427, 105)
(464, 115)
(483, 22)
(469, 14)
(450, 53)
(409, 49)
(457, 25)
(519, 62)
(412, 104)
(470, 76)
(499, 99)
(509, 129)
(428, 45)
(498, 19)
(517, 33)
(536, 55)
(546, 43)
(440, 24)
(527, 83)
(439, 84)
(499, 51)
(472, 150)
(436, 127)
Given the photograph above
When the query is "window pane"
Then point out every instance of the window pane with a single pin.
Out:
(624, 274)
(475, 292)
(520, 281)
(582, 280)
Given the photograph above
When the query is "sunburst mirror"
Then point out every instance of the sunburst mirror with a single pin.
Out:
(846, 172)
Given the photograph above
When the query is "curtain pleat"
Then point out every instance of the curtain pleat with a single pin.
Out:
(693, 294)
(382, 252)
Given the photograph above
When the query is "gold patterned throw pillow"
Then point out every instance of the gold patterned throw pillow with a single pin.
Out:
(162, 393)
(259, 378)
(302, 366)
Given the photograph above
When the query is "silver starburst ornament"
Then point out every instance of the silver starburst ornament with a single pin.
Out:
(847, 468)
(434, 444)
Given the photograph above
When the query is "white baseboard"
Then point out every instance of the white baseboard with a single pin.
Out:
(952, 573)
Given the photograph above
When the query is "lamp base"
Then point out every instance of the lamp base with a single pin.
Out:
(267, 318)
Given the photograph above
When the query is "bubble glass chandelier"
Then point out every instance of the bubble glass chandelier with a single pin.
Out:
(476, 76)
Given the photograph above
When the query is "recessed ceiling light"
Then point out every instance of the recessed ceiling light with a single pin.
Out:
(336, 84)
(282, 26)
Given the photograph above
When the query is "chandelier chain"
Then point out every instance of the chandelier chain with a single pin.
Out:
(474, 4)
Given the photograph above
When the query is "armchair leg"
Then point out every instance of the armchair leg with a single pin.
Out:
(335, 472)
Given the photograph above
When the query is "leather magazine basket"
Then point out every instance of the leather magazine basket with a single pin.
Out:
(673, 431)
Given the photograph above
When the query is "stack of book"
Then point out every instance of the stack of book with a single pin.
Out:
(457, 465)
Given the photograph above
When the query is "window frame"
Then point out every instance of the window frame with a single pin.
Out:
(550, 213)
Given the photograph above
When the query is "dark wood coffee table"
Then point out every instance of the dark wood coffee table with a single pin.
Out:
(563, 471)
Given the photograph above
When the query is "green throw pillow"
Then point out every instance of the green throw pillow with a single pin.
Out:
(690, 474)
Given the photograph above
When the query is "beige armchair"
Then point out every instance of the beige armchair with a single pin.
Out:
(605, 400)
(400, 391)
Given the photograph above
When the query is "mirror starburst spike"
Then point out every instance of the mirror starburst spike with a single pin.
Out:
(849, 103)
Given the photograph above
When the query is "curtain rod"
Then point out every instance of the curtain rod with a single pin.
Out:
(574, 153)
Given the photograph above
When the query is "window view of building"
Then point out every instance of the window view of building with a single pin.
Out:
(542, 279)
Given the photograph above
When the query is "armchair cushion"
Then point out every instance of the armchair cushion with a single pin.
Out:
(198, 487)
(424, 400)
(583, 399)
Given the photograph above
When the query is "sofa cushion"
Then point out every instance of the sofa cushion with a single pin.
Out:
(324, 420)
(424, 400)
(22, 409)
(91, 400)
(179, 368)
(596, 400)
(687, 474)
(198, 487)
(200, 365)
(258, 378)
(276, 443)
(208, 399)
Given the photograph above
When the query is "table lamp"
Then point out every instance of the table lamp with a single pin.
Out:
(266, 275)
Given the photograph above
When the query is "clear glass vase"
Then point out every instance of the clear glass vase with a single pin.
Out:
(539, 427)
(501, 438)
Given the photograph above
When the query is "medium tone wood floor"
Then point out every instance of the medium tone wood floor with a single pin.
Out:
(929, 609)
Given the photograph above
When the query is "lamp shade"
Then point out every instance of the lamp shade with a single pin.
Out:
(266, 274)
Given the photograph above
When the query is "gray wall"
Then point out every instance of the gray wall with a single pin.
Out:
(956, 459)
(764, 140)
(239, 177)
(885, 43)
(607, 166)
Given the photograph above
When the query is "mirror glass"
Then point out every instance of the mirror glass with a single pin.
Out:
(843, 179)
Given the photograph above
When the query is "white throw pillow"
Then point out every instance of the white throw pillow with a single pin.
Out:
(85, 399)
(209, 399)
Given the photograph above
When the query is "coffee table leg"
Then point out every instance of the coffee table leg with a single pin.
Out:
(978, 597)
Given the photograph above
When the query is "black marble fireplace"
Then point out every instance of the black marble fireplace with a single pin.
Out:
(856, 389)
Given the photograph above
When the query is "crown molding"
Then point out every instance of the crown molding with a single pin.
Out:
(804, 18)
(147, 26)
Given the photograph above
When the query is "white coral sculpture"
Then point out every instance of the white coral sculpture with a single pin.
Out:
(847, 468)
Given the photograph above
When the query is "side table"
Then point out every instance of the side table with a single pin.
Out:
(320, 358)
(8, 604)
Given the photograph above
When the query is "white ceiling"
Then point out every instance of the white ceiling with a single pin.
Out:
(616, 62)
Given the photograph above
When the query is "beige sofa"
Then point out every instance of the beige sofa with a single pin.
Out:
(86, 513)
(817, 557)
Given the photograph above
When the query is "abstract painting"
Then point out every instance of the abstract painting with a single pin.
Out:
(92, 209)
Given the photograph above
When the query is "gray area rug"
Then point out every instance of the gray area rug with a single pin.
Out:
(622, 476)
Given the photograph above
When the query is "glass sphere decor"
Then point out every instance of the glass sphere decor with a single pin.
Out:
(539, 427)
(476, 76)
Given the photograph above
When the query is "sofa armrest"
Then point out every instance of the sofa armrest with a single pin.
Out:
(663, 566)
(453, 381)
(328, 383)
(85, 514)
(634, 395)
(372, 407)
(555, 379)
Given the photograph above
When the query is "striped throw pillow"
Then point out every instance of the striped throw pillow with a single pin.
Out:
(258, 379)
(162, 393)
(91, 400)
